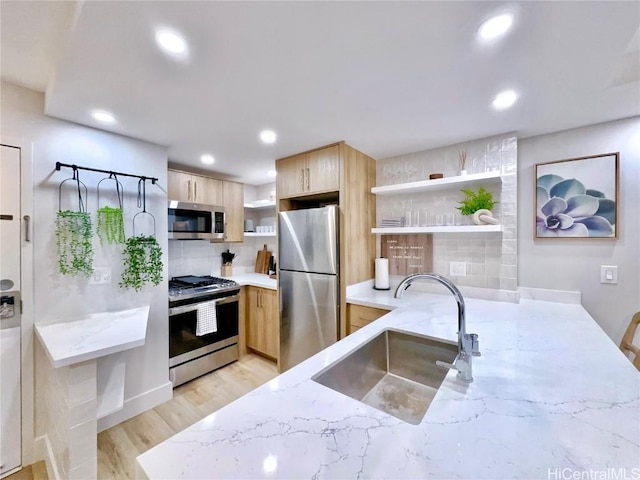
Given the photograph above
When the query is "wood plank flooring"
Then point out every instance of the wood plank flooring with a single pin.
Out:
(119, 446)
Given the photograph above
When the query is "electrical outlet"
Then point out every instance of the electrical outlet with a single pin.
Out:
(609, 274)
(458, 269)
(101, 276)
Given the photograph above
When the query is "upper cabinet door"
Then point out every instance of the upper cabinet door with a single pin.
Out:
(179, 186)
(207, 190)
(323, 170)
(290, 180)
(233, 201)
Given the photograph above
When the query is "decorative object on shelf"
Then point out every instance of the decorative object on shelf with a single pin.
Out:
(435, 176)
(484, 217)
(578, 197)
(73, 234)
(110, 228)
(462, 157)
(475, 201)
(227, 260)
(142, 254)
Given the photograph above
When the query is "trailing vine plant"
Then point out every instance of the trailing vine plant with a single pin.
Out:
(110, 227)
(142, 262)
(73, 241)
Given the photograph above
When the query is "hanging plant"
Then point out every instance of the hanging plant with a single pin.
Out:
(110, 228)
(73, 240)
(142, 262)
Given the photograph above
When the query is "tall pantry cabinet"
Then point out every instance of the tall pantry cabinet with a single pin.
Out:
(336, 174)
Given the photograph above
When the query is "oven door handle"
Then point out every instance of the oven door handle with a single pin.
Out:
(194, 306)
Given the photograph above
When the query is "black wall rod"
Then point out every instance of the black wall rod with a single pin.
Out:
(59, 165)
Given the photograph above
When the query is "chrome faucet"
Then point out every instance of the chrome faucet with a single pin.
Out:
(467, 342)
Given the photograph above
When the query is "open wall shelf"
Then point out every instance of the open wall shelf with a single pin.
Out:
(438, 229)
(439, 184)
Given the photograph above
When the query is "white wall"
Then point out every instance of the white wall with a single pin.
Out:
(575, 264)
(60, 297)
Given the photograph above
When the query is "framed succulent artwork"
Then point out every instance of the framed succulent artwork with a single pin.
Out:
(577, 197)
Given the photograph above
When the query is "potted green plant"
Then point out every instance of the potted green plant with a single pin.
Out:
(478, 204)
(142, 262)
(73, 241)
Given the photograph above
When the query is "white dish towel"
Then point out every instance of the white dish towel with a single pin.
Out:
(206, 321)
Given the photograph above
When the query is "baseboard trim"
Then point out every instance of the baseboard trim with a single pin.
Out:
(44, 452)
(138, 404)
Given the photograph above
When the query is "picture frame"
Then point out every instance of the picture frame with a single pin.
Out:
(577, 198)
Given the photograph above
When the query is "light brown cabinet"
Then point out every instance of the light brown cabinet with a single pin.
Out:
(187, 187)
(263, 324)
(309, 173)
(360, 316)
(233, 202)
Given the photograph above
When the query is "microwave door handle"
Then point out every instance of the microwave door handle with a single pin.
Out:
(194, 306)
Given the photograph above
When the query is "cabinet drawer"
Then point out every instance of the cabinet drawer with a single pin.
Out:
(360, 316)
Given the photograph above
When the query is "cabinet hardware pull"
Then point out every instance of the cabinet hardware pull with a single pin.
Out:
(195, 191)
(302, 178)
(27, 228)
(308, 179)
(189, 190)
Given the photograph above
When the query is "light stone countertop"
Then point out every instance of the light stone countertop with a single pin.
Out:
(255, 280)
(551, 391)
(94, 335)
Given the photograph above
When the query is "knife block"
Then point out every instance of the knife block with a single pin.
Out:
(226, 270)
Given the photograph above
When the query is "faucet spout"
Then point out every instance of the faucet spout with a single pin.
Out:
(467, 342)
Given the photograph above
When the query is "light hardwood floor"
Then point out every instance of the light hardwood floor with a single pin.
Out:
(119, 446)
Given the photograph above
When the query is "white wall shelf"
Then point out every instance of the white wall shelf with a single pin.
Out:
(438, 229)
(438, 184)
(260, 204)
(259, 234)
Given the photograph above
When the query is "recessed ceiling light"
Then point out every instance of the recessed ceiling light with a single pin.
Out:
(505, 100)
(207, 159)
(103, 116)
(495, 26)
(268, 136)
(272, 173)
(171, 42)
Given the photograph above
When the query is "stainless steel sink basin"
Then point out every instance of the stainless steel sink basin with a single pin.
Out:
(395, 372)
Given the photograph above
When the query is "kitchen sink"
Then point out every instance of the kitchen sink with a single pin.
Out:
(394, 372)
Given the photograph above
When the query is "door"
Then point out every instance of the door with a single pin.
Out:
(290, 180)
(233, 201)
(323, 170)
(308, 240)
(207, 190)
(10, 311)
(179, 186)
(309, 315)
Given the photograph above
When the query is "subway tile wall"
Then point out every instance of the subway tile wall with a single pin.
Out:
(193, 257)
(491, 257)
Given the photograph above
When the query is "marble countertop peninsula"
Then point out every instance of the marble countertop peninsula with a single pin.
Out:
(551, 391)
(92, 336)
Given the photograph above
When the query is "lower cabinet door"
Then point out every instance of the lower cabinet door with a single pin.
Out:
(263, 329)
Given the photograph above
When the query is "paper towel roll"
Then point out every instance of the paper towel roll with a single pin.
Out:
(381, 281)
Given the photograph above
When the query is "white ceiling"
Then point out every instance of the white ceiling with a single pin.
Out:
(387, 77)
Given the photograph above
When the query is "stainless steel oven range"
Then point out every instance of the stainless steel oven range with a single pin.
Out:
(192, 355)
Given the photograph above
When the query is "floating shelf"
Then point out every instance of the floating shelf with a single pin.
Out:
(438, 184)
(259, 234)
(260, 204)
(438, 229)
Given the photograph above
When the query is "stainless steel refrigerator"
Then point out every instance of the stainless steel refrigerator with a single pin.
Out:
(308, 289)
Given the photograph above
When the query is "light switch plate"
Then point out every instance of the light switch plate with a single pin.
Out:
(101, 276)
(609, 274)
(458, 269)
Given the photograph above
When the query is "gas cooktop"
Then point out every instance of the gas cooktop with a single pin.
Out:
(190, 286)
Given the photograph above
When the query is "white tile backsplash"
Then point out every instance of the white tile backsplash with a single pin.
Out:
(491, 257)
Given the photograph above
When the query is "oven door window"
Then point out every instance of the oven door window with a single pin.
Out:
(182, 329)
(192, 221)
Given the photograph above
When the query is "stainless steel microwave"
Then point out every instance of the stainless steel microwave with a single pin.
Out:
(196, 221)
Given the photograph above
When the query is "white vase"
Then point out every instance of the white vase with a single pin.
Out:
(463, 172)
(484, 217)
